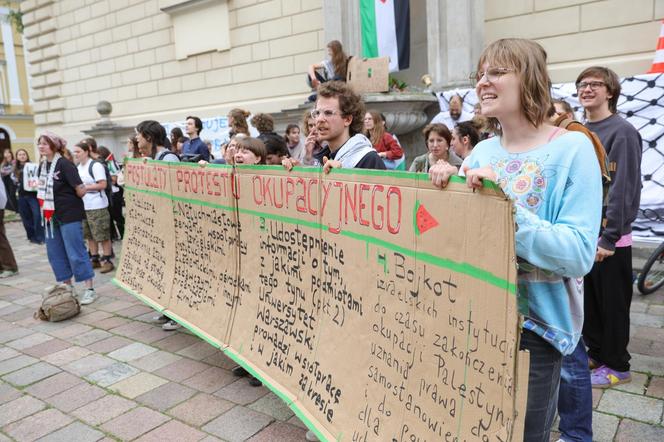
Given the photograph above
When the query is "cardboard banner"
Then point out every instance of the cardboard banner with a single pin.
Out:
(377, 307)
(30, 177)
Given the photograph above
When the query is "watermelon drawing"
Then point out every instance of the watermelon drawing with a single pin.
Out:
(423, 219)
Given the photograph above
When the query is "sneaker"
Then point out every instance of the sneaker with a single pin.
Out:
(89, 296)
(171, 325)
(310, 436)
(95, 263)
(106, 267)
(8, 273)
(605, 377)
(254, 382)
(239, 371)
(161, 319)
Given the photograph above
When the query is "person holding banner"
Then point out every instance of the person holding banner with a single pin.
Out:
(554, 179)
(464, 138)
(26, 179)
(60, 196)
(150, 140)
(438, 139)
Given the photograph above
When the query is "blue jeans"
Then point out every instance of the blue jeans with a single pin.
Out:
(67, 253)
(543, 381)
(28, 208)
(575, 399)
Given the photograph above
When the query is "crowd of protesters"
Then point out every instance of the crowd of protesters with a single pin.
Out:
(568, 233)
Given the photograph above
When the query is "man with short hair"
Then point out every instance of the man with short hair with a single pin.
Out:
(195, 146)
(455, 115)
(609, 283)
(339, 117)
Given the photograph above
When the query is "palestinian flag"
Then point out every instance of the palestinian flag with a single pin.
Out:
(112, 165)
(386, 31)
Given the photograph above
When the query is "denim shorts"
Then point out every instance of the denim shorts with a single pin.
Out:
(67, 253)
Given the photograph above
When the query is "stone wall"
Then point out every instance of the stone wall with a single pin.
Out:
(577, 33)
(122, 51)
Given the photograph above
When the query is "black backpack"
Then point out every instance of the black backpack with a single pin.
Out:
(109, 183)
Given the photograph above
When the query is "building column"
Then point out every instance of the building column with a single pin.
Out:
(455, 39)
(342, 22)
(12, 70)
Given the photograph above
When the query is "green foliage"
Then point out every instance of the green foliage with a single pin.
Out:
(15, 17)
(397, 85)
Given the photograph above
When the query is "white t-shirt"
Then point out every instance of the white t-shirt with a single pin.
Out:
(97, 199)
(446, 119)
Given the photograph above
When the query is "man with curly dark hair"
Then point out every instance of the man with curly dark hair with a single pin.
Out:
(339, 117)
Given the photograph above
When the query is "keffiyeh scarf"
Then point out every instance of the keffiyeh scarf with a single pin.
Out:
(45, 193)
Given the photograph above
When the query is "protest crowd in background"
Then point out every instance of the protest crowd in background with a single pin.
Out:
(78, 213)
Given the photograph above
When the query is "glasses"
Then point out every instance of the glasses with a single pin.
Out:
(491, 75)
(594, 85)
(327, 113)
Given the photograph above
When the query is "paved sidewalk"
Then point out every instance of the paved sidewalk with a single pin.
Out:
(109, 374)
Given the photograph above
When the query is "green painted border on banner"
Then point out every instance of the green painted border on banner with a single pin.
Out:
(460, 267)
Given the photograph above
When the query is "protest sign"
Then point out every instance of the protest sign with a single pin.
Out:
(377, 307)
(30, 177)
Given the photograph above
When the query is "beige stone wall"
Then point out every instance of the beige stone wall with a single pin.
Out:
(122, 51)
(620, 34)
(17, 119)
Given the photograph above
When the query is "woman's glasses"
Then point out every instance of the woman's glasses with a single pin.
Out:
(491, 75)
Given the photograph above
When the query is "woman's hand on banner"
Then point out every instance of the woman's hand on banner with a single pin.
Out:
(441, 172)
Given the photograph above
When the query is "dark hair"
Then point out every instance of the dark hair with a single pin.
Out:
(153, 132)
(11, 154)
(176, 134)
(54, 147)
(92, 143)
(135, 153)
(26, 153)
(182, 140)
(456, 96)
(350, 104)
(197, 122)
(566, 106)
(18, 167)
(440, 129)
(263, 123)
(339, 59)
(254, 145)
(103, 153)
(274, 144)
(468, 129)
(84, 145)
(290, 127)
(609, 78)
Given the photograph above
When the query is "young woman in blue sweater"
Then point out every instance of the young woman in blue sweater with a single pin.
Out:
(553, 178)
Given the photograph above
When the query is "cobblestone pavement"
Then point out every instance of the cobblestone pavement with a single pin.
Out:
(110, 374)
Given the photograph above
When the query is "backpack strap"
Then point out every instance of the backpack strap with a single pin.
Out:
(92, 163)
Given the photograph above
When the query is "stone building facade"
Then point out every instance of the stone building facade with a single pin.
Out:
(165, 59)
(16, 122)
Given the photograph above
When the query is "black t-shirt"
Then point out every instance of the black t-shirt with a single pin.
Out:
(21, 190)
(68, 206)
(370, 161)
